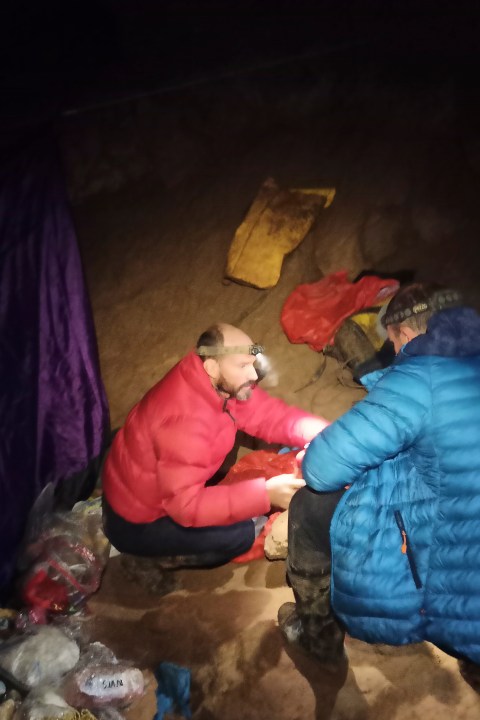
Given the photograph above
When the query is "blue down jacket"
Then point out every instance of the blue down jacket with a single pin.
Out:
(406, 535)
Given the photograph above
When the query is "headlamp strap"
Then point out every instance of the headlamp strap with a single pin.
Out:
(217, 351)
(440, 300)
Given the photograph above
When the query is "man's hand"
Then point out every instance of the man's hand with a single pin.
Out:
(309, 427)
(282, 488)
(299, 457)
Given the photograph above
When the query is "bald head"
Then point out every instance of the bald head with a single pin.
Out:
(233, 336)
(232, 373)
(223, 339)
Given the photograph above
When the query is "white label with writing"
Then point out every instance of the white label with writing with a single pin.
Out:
(104, 685)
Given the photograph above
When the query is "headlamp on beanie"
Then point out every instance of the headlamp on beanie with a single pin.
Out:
(440, 300)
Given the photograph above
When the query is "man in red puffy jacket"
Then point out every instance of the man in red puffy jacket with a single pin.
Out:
(158, 500)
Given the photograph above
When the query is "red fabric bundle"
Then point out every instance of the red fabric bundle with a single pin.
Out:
(267, 464)
(261, 463)
(257, 551)
(313, 313)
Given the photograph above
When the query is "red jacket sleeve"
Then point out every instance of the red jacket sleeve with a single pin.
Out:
(181, 476)
(274, 421)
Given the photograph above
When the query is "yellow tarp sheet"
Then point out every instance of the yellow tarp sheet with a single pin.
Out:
(276, 224)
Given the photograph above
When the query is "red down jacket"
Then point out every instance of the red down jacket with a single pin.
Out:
(177, 437)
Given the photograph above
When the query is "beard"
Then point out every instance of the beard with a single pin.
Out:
(242, 392)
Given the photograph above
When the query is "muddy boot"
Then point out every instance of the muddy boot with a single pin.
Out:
(310, 622)
(151, 574)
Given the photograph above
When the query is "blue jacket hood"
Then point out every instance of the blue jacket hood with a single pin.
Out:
(450, 333)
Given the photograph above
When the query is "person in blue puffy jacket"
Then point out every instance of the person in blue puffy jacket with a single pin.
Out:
(395, 557)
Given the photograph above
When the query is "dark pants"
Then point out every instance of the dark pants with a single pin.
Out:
(308, 572)
(309, 518)
(200, 547)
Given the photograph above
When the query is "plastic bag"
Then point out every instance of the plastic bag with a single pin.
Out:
(65, 560)
(39, 657)
(45, 702)
(101, 680)
(313, 312)
(78, 627)
(108, 714)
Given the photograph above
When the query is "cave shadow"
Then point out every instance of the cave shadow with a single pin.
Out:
(327, 685)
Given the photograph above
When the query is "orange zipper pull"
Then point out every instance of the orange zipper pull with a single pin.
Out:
(404, 544)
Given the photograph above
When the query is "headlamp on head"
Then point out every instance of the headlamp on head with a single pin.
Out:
(440, 300)
(217, 351)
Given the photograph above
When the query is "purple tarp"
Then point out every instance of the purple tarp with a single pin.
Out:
(53, 409)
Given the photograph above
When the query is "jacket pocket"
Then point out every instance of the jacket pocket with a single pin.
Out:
(407, 550)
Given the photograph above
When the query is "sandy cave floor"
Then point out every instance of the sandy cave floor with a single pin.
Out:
(222, 625)
(154, 260)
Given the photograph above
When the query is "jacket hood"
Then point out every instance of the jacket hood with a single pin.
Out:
(454, 332)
